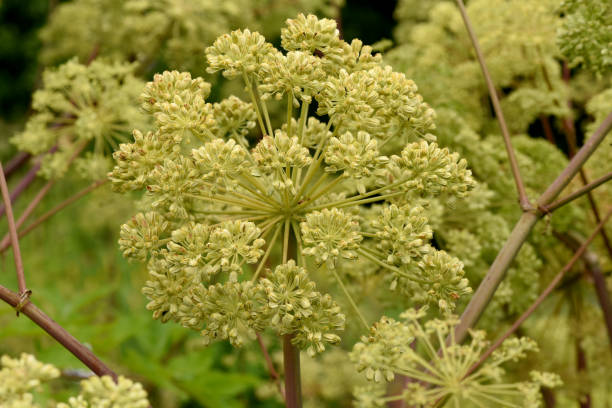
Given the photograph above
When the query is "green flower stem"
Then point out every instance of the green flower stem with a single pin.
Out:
(249, 88)
(301, 125)
(254, 180)
(258, 194)
(269, 222)
(262, 263)
(311, 170)
(372, 257)
(324, 190)
(370, 193)
(350, 299)
(224, 212)
(226, 200)
(289, 114)
(351, 202)
(286, 241)
(254, 200)
(298, 238)
(314, 187)
(302, 120)
(264, 108)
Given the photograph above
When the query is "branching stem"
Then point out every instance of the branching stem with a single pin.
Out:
(13, 234)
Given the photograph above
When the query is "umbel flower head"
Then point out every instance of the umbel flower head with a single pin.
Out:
(236, 221)
(441, 371)
(91, 107)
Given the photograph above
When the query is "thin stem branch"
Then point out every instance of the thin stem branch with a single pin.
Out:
(28, 211)
(520, 187)
(13, 234)
(576, 194)
(576, 162)
(551, 286)
(54, 211)
(351, 301)
(56, 331)
(15, 163)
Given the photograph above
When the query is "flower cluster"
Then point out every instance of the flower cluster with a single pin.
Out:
(20, 377)
(441, 370)
(223, 206)
(79, 106)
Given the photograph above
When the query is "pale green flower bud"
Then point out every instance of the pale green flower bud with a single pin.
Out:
(178, 103)
(403, 233)
(141, 235)
(317, 331)
(274, 154)
(233, 118)
(37, 137)
(187, 250)
(135, 161)
(428, 169)
(104, 392)
(237, 53)
(357, 157)
(298, 74)
(229, 311)
(20, 376)
(315, 132)
(232, 241)
(221, 162)
(172, 184)
(290, 294)
(81, 103)
(311, 34)
(166, 288)
(329, 235)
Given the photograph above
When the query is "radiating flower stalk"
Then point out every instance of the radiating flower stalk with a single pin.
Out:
(223, 205)
(440, 371)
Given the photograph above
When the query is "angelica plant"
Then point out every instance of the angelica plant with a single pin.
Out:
(218, 202)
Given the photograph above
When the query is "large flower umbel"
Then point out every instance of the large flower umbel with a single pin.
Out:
(226, 197)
